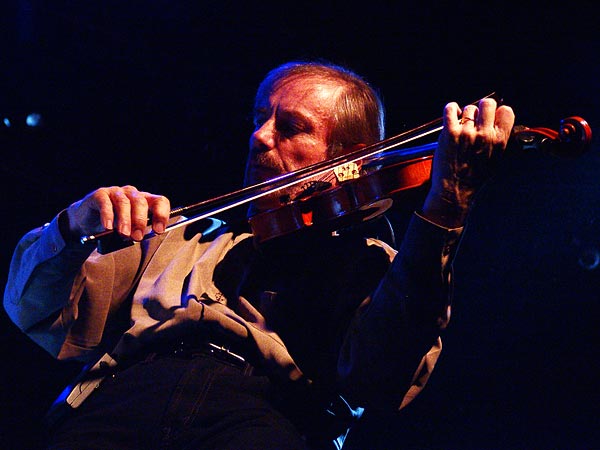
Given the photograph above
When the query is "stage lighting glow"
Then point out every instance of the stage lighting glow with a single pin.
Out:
(7, 123)
(33, 120)
(589, 258)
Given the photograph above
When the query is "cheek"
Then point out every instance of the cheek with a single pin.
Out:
(302, 153)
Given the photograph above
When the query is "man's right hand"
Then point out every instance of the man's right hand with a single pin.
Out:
(122, 208)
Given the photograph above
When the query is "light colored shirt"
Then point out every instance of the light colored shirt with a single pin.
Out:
(79, 304)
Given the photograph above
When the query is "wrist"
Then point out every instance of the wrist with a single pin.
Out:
(445, 211)
(65, 228)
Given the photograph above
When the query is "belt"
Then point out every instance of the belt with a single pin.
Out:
(218, 351)
(191, 346)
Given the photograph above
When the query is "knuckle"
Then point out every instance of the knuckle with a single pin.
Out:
(159, 201)
(140, 220)
(451, 106)
(120, 197)
(485, 134)
(506, 111)
(100, 192)
(488, 101)
(163, 200)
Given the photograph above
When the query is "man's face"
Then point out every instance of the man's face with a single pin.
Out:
(291, 129)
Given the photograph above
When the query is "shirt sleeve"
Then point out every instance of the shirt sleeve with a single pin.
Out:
(61, 293)
(41, 272)
(393, 343)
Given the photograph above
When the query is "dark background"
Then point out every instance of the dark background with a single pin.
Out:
(158, 94)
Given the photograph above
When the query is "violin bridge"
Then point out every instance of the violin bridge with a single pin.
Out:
(348, 171)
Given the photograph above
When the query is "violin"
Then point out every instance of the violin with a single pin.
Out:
(378, 173)
(352, 201)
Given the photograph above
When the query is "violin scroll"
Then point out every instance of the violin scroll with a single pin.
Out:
(572, 139)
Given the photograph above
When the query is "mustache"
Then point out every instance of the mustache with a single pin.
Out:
(265, 161)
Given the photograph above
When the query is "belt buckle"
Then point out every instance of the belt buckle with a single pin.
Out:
(226, 353)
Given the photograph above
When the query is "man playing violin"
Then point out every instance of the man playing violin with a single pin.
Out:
(201, 337)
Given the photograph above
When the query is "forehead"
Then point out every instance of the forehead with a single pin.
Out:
(304, 93)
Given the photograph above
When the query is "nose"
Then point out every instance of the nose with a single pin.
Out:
(263, 137)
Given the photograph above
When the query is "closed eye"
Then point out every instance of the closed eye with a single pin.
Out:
(290, 124)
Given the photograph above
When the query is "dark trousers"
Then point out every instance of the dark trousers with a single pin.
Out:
(201, 402)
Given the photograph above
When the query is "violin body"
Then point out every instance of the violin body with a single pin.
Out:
(350, 202)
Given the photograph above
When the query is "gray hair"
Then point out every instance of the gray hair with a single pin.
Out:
(359, 116)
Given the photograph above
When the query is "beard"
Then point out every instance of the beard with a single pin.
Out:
(262, 168)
